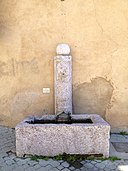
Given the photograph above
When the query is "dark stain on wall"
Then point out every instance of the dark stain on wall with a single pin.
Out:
(93, 97)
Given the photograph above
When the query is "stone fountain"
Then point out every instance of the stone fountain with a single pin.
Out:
(63, 132)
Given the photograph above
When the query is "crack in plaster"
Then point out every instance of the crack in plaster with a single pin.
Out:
(101, 28)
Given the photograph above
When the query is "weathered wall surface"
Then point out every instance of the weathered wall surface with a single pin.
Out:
(96, 30)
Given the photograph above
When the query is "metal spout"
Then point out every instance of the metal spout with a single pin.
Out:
(62, 117)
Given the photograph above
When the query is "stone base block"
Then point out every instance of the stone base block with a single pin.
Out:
(55, 139)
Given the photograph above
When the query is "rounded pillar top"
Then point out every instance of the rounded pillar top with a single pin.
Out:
(63, 49)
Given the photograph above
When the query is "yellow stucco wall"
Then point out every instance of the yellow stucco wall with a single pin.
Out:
(97, 32)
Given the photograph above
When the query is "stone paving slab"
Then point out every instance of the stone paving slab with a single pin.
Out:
(119, 151)
(10, 162)
(120, 146)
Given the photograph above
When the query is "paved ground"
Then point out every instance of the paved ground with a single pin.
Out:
(9, 161)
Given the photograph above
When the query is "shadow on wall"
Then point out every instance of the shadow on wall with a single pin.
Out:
(92, 97)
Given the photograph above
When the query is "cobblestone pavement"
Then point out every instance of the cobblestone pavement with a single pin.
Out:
(9, 161)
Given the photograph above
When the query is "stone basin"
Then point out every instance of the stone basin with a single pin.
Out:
(51, 139)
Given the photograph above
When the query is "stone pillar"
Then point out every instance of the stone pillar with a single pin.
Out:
(63, 79)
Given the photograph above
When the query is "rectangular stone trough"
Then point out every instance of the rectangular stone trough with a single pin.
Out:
(54, 139)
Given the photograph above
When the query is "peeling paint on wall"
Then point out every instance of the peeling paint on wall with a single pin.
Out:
(93, 97)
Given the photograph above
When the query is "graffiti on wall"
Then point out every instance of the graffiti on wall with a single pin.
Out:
(14, 67)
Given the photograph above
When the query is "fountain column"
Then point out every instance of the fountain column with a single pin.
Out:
(63, 79)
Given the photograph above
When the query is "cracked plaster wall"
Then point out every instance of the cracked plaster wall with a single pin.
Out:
(96, 30)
